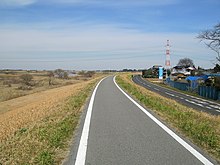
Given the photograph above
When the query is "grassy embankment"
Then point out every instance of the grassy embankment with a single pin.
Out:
(47, 141)
(200, 128)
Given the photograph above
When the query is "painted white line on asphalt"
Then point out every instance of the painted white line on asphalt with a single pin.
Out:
(208, 101)
(199, 105)
(192, 102)
(156, 89)
(198, 101)
(208, 107)
(170, 94)
(81, 154)
(170, 132)
(214, 106)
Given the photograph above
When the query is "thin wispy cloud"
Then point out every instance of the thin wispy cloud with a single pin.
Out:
(16, 3)
(99, 43)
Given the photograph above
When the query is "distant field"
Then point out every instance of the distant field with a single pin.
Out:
(12, 86)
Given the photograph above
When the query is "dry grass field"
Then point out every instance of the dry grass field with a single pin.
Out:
(11, 85)
(35, 103)
(44, 108)
(20, 111)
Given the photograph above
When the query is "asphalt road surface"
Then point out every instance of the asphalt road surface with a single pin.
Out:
(197, 103)
(118, 131)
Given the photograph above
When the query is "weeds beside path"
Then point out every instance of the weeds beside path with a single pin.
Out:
(201, 128)
(39, 132)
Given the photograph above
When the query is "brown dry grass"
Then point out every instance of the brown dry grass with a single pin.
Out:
(10, 83)
(16, 113)
(37, 128)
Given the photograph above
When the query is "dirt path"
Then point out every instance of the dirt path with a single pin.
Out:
(16, 113)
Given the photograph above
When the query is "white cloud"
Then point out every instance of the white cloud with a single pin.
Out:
(100, 43)
(90, 38)
(15, 3)
(78, 38)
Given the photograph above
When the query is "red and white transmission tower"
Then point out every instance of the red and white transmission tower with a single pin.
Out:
(167, 62)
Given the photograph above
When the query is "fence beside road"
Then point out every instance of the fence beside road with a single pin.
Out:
(179, 85)
(204, 91)
(209, 92)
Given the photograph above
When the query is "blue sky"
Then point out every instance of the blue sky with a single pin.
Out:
(103, 34)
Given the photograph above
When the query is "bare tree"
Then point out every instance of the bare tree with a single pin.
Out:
(90, 73)
(59, 73)
(26, 78)
(212, 38)
(50, 75)
(185, 62)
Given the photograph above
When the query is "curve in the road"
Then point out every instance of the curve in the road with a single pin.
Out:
(197, 103)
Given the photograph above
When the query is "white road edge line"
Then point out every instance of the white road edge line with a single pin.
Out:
(156, 89)
(170, 132)
(81, 154)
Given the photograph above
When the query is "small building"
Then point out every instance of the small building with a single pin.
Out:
(182, 71)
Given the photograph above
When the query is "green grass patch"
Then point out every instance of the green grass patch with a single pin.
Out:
(201, 128)
(45, 158)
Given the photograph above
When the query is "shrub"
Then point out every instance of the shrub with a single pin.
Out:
(26, 78)
(59, 73)
(87, 74)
